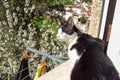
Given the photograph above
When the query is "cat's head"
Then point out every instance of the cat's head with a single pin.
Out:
(67, 30)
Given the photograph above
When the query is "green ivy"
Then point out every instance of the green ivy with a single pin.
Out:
(83, 19)
(88, 1)
(42, 21)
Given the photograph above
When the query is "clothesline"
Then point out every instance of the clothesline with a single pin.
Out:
(54, 58)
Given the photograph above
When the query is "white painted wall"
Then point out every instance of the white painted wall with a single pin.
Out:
(114, 43)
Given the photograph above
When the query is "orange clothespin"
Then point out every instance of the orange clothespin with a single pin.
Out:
(25, 55)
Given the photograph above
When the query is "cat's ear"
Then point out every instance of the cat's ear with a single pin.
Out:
(61, 21)
(70, 22)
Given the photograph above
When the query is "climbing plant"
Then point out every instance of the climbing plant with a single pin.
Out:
(26, 23)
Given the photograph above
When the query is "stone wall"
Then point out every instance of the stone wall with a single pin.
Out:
(95, 17)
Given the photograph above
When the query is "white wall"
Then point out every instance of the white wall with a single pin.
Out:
(114, 43)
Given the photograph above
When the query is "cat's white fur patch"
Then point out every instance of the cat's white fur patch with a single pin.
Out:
(61, 35)
(74, 57)
(70, 40)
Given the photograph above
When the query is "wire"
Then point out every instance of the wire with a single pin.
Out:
(58, 59)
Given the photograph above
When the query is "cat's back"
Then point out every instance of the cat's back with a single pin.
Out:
(93, 64)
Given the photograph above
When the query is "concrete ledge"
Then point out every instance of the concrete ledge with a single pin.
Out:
(61, 72)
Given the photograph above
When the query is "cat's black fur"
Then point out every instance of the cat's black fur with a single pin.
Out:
(93, 64)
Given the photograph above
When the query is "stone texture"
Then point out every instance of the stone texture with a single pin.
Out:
(95, 17)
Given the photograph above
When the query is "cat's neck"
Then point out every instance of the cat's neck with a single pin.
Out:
(72, 39)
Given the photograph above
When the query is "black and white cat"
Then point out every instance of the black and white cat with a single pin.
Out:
(87, 54)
